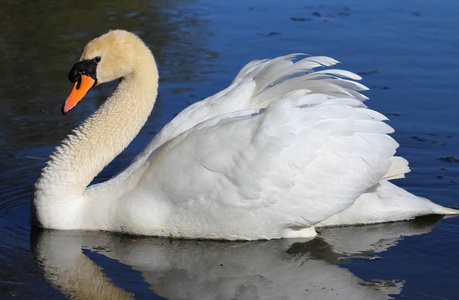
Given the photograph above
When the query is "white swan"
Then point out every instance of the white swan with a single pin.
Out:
(283, 149)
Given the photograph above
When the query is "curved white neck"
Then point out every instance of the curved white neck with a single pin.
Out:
(101, 137)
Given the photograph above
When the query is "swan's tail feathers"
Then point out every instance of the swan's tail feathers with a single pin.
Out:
(277, 77)
(398, 169)
(386, 202)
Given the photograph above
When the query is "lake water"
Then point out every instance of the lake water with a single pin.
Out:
(406, 52)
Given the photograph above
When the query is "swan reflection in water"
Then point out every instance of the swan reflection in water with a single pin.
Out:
(102, 265)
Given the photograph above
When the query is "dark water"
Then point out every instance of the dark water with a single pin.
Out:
(405, 50)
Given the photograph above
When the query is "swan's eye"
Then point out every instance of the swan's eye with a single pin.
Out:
(97, 59)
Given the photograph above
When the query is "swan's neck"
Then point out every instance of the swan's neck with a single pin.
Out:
(99, 139)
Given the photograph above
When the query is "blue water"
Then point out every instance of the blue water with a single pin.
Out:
(406, 52)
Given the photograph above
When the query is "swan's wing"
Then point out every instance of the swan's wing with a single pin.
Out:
(262, 82)
(297, 162)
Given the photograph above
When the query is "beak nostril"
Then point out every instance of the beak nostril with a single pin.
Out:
(79, 81)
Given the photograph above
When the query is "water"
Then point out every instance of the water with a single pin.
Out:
(406, 52)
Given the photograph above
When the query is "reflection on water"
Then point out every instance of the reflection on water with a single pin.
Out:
(360, 240)
(100, 265)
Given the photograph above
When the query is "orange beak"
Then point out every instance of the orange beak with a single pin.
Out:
(80, 89)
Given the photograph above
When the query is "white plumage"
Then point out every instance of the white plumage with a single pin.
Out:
(283, 149)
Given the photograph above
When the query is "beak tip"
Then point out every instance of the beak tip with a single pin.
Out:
(66, 108)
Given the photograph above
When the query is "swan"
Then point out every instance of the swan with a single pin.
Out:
(283, 150)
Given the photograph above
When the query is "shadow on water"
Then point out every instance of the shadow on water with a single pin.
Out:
(101, 265)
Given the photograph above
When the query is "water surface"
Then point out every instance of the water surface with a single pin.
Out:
(406, 53)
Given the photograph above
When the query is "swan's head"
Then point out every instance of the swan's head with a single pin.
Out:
(111, 56)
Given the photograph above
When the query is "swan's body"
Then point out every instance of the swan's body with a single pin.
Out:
(281, 150)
